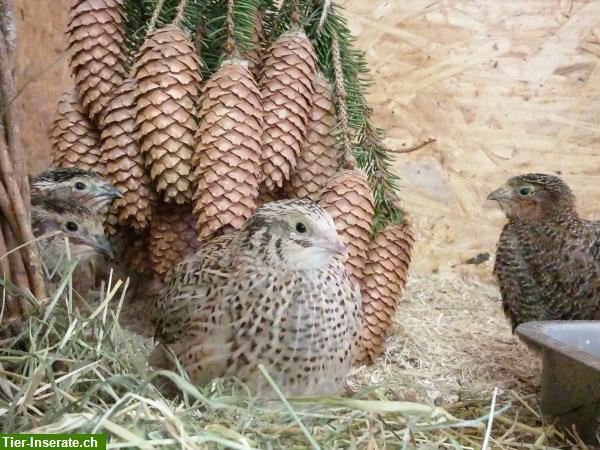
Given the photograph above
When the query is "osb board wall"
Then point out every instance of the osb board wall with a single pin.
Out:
(506, 87)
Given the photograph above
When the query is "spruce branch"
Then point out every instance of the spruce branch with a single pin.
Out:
(331, 37)
(144, 16)
(229, 46)
(324, 12)
(324, 26)
(413, 148)
(241, 23)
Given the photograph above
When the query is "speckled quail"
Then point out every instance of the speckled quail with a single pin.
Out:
(88, 188)
(270, 294)
(548, 259)
(91, 191)
(59, 219)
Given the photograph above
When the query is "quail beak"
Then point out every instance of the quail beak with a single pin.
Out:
(334, 245)
(501, 194)
(104, 247)
(112, 192)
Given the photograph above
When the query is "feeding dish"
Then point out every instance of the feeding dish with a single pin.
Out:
(570, 352)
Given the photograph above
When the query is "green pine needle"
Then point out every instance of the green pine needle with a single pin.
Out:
(206, 19)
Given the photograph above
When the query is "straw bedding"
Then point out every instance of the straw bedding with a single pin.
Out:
(449, 348)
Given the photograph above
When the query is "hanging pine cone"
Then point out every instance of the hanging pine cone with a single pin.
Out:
(173, 235)
(97, 51)
(318, 160)
(287, 87)
(167, 74)
(384, 278)
(125, 165)
(75, 141)
(348, 198)
(229, 149)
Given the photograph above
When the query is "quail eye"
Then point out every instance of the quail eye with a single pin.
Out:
(524, 191)
(71, 226)
(80, 186)
(300, 227)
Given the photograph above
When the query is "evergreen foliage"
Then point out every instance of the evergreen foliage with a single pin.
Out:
(206, 20)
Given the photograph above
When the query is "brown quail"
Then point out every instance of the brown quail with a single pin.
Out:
(270, 294)
(548, 259)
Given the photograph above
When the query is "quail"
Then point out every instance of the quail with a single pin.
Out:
(271, 293)
(548, 258)
(53, 220)
(88, 188)
(93, 192)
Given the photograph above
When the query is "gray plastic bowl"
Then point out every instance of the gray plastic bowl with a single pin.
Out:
(570, 352)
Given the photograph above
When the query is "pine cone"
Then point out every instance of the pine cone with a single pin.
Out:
(229, 149)
(384, 278)
(318, 160)
(348, 198)
(136, 254)
(167, 73)
(124, 162)
(287, 87)
(75, 140)
(173, 235)
(97, 51)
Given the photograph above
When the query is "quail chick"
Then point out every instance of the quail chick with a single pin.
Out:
(60, 219)
(270, 294)
(548, 259)
(84, 186)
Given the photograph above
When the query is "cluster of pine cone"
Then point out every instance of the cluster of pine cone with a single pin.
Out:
(195, 157)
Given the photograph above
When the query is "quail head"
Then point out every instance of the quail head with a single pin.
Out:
(62, 221)
(548, 259)
(84, 186)
(272, 293)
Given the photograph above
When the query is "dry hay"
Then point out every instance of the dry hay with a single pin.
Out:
(451, 336)
(80, 372)
(449, 348)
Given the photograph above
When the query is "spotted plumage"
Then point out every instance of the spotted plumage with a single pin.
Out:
(84, 186)
(548, 259)
(58, 221)
(270, 293)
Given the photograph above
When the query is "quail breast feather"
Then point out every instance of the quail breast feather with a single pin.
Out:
(248, 298)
